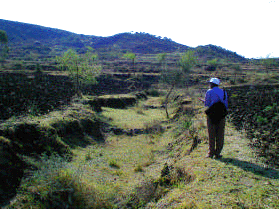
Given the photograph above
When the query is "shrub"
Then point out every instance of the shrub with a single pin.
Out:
(138, 168)
(212, 65)
(153, 92)
(154, 127)
(113, 163)
(171, 175)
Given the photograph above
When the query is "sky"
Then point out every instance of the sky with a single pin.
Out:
(247, 27)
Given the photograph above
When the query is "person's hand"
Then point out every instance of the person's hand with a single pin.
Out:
(200, 99)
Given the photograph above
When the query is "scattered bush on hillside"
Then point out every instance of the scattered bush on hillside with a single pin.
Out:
(154, 128)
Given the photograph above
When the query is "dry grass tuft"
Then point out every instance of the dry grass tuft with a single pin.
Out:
(172, 175)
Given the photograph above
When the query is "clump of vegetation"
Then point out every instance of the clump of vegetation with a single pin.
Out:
(212, 65)
(154, 127)
(113, 163)
(171, 175)
(153, 92)
(138, 168)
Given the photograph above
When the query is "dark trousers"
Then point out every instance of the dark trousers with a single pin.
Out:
(216, 136)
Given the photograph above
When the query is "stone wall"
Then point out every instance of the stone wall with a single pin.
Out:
(255, 108)
(32, 93)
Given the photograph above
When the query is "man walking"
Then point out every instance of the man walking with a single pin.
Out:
(216, 130)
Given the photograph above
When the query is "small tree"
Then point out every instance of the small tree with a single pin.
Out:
(162, 59)
(172, 78)
(212, 65)
(236, 68)
(132, 57)
(187, 61)
(4, 49)
(179, 75)
(82, 68)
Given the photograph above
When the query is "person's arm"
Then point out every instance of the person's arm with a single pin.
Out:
(226, 100)
(207, 99)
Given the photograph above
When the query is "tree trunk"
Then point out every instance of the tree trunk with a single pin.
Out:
(77, 82)
(167, 100)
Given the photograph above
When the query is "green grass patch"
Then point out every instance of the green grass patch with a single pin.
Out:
(133, 117)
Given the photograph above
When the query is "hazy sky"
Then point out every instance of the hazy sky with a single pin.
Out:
(247, 27)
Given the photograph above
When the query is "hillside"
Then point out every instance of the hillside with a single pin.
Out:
(211, 52)
(22, 34)
(140, 43)
(19, 32)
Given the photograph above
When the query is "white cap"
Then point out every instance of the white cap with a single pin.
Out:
(215, 81)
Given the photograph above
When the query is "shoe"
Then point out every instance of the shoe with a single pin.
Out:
(209, 156)
(218, 156)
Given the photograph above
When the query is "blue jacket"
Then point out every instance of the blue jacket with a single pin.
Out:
(211, 97)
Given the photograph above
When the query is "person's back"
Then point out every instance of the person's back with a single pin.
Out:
(214, 95)
(216, 128)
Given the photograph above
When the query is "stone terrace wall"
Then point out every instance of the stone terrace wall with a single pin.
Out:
(27, 93)
(39, 93)
(255, 108)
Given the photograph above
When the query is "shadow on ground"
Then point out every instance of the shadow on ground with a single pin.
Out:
(254, 168)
